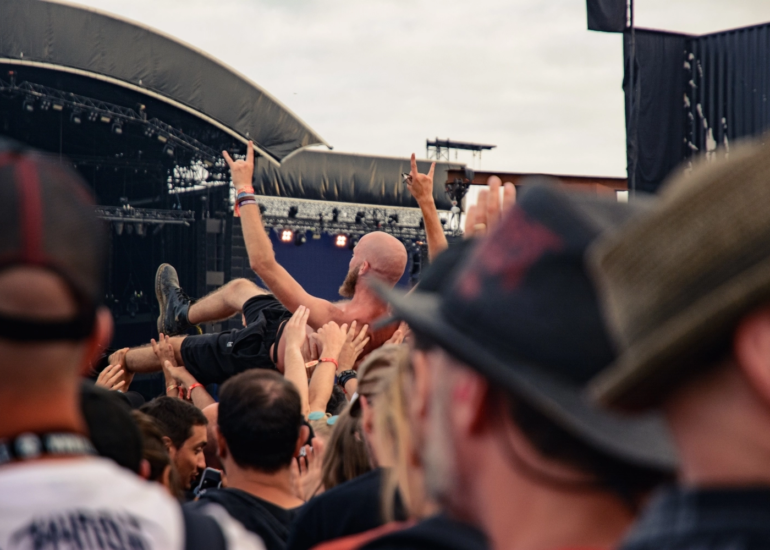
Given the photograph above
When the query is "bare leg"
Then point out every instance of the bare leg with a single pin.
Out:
(143, 359)
(224, 302)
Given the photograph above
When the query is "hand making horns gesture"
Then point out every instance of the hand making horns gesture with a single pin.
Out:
(242, 171)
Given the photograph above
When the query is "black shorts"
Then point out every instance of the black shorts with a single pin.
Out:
(213, 358)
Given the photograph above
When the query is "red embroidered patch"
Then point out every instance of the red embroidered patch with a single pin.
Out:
(508, 253)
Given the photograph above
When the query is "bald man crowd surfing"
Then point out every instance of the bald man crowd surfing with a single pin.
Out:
(212, 358)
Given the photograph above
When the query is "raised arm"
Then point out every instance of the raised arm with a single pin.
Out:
(421, 187)
(294, 364)
(262, 256)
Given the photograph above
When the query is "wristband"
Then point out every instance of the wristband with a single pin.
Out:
(329, 360)
(191, 388)
(346, 376)
(249, 190)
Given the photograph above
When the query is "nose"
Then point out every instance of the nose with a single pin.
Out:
(201, 464)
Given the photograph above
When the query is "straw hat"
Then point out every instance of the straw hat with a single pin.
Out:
(676, 281)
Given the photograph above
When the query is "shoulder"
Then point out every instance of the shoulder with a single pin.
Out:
(437, 532)
(91, 492)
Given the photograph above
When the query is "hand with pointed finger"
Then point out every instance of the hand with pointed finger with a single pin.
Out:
(421, 185)
(242, 171)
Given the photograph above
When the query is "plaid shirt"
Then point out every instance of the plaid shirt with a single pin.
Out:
(704, 519)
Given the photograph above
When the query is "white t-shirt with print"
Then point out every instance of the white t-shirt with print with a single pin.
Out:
(92, 503)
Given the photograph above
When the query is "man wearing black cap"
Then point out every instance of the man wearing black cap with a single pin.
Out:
(501, 356)
(53, 492)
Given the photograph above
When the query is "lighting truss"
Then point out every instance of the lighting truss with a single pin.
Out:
(111, 113)
(149, 216)
(335, 218)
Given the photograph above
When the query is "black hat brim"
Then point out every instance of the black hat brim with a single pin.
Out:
(641, 440)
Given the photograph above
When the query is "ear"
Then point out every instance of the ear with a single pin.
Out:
(100, 338)
(144, 469)
(304, 433)
(419, 402)
(364, 268)
(222, 450)
(471, 397)
(169, 447)
(751, 346)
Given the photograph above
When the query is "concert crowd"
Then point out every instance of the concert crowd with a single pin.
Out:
(576, 373)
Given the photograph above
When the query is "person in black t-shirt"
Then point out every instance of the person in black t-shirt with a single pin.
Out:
(260, 431)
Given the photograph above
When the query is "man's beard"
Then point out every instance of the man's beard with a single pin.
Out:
(348, 288)
(438, 458)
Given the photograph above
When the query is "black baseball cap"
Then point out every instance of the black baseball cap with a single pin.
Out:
(49, 221)
(522, 311)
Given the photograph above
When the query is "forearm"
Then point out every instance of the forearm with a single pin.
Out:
(322, 384)
(351, 387)
(296, 373)
(258, 245)
(434, 231)
(201, 398)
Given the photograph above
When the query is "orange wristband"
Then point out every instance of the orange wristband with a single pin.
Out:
(191, 388)
(329, 360)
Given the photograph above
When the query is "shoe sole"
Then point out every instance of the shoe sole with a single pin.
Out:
(160, 297)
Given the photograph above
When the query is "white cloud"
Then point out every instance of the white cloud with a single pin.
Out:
(381, 76)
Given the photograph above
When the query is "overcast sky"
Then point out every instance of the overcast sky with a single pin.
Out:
(381, 76)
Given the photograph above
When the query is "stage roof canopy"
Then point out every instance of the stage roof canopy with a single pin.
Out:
(85, 42)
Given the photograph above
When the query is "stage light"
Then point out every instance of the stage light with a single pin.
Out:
(28, 105)
(300, 238)
(92, 116)
(168, 149)
(360, 217)
(57, 106)
(335, 214)
(162, 138)
(262, 208)
(316, 236)
(105, 119)
(293, 211)
(287, 235)
(76, 117)
(117, 128)
(45, 104)
(140, 229)
(341, 241)
(393, 219)
(352, 242)
(119, 228)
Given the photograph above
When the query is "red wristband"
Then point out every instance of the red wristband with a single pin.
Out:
(329, 360)
(191, 388)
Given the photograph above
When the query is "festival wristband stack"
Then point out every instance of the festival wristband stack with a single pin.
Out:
(345, 376)
(245, 196)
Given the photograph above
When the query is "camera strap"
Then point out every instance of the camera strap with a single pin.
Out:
(29, 446)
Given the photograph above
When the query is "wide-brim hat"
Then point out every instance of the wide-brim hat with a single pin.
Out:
(676, 281)
(522, 312)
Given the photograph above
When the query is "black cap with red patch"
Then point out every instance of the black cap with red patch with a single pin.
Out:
(522, 311)
(49, 221)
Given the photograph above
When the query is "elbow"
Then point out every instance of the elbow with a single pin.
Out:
(259, 266)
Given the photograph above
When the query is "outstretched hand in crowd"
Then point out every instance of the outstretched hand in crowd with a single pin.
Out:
(115, 377)
(484, 215)
(306, 471)
(179, 382)
(295, 340)
(353, 347)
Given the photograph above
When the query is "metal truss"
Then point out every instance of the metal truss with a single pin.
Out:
(335, 217)
(51, 98)
(148, 216)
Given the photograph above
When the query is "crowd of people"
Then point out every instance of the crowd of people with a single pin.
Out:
(577, 372)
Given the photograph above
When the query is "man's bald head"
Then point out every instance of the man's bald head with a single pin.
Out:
(384, 253)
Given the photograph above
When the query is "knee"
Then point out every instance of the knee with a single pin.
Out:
(246, 286)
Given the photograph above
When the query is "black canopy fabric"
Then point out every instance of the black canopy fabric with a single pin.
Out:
(41, 33)
(347, 177)
(694, 95)
(606, 15)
